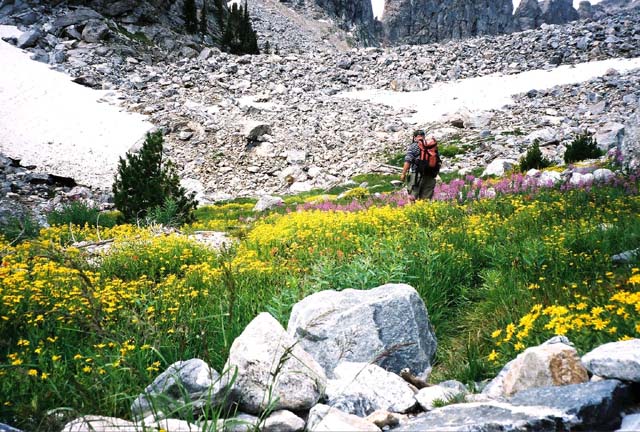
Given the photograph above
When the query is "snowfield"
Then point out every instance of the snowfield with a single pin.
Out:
(60, 126)
(487, 92)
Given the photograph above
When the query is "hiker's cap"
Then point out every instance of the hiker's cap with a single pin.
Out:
(418, 133)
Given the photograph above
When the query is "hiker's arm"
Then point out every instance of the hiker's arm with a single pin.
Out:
(405, 168)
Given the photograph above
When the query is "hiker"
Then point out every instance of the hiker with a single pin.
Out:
(422, 161)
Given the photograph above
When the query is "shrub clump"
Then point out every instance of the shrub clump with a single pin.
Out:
(17, 229)
(534, 159)
(356, 193)
(146, 182)
(450, 150)
(583, 147)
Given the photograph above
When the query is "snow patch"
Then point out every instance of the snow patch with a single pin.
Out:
(487, 92)
(61, 127)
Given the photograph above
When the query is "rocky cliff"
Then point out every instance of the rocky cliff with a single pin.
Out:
(353, 16)
(558, 11)
(528, 15)
(152, 23)
(424, 21)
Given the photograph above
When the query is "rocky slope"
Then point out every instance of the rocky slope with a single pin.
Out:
(309, 137)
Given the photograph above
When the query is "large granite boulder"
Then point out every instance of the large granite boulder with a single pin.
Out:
(610, 136)
(619, 360)
(76, 16)
(362, 388)
(586, 406)
(553, 363)
(483, 417)
(95, 31)
(388, 325)
(595, 405)
(323, 418)
(272, 369)
(630, 147)
(189, 384)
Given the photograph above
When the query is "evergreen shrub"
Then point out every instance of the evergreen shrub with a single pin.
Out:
(145, 181)
(534, 159)
(583, 147)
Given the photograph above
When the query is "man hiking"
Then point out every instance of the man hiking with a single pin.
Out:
(422, 161)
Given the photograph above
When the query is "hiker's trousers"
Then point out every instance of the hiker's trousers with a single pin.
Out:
(421, 187)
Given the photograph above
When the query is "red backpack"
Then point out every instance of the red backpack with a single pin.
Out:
(429, 161)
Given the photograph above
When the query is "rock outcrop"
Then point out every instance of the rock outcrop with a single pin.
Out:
(355, 16)
(528, 15)
(425, 21)
(558, 11)
(388, 326)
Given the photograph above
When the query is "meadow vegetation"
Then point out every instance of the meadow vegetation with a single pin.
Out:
(500, 264)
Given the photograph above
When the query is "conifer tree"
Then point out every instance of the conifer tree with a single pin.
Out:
(218, 11)
(190, 16)
(238, 36)
(145, 181)
(203, 19)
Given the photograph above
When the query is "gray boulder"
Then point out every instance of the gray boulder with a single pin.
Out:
(76, 16)
(283, 421)
(262, 350)
(267, 202)
(100, 424)
(484, 417)
(619, 360)
(630, 423)
(603, 175)
(545, 365)
(362, 388)
(189, 383)
(388, 325)
(595, 405)
(553, 362)
(549, 178)
(323, 418)
(498, 167)
(630, 147)
(95, 31)
(609, 136)
(626, 257)
(7, 428)
(29, 38)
